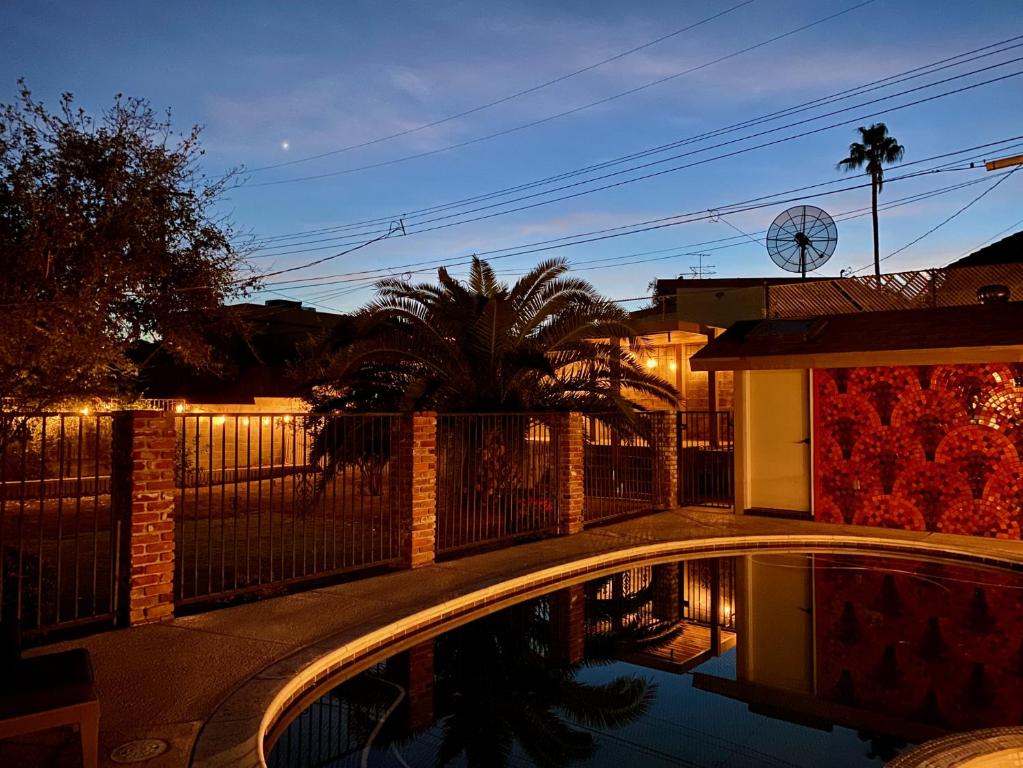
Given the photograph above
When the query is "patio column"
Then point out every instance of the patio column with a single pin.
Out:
(142, 493)
(414, 672)
(417, 488)
(569, 429)
(664, 443)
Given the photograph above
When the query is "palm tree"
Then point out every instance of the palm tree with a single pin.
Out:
(875, 150)
(483, 346)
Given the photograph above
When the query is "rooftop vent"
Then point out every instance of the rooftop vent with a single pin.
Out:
(993, 294)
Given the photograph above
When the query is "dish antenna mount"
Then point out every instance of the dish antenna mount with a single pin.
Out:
(802, 239)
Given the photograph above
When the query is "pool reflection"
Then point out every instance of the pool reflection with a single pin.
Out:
(858, 656)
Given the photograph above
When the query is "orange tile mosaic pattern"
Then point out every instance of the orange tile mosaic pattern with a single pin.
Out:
(934, 448)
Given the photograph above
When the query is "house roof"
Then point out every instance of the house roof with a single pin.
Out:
(974, 333)
(1008, 250)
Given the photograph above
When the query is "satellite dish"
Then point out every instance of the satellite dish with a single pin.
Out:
(802, 239)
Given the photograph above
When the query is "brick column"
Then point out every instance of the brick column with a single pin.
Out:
(417, 491)
(667, 600)
(665, 450)
(569, 428)
(142, 492)
(413, 670)
(568, 624)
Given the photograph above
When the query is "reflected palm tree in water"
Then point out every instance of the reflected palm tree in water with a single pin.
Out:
(502, 687)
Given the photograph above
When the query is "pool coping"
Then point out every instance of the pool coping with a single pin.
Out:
(235, 733)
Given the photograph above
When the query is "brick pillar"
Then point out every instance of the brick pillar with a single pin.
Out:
(142, 492)
(413, 670)
(568, 624)
(665, 450)
(417, 492)
(667, 601)
(569, 427)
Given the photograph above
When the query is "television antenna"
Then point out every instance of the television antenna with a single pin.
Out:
(802, 239)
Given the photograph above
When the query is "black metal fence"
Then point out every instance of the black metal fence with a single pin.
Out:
(497, 478)
(619, 468)
(59, 538)
(268, 499)
(702, 579)
(706, 465)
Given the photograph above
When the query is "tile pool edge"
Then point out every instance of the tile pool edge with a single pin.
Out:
(234, 735)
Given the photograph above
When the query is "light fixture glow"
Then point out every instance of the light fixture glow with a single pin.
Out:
(85, 411)
(219, 420)
(179, 408)
(672, 365)
(651, 362)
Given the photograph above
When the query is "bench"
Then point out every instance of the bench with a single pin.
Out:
(49, 691)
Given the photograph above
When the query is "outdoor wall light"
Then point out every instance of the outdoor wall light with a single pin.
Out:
(651, 362)
(219, 420)
(672, 365)
(179, 408)
(245, 421)
(85, 411)
(266, 421)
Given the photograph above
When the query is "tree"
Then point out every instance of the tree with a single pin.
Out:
(108, 237)
(875, 150)
(482, 346)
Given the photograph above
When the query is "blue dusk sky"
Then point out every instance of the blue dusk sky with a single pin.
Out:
(276, 83)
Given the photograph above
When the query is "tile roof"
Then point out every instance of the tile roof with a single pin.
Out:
(866, 336)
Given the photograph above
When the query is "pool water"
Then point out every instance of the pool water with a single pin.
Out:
(764, 660)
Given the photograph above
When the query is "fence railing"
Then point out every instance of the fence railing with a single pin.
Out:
(619, 468)
(59, 538)
(702, 579)
(706, 465)
(497, 478)
(270, 499)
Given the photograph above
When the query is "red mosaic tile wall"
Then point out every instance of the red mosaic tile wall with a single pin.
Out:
(933, 644)
(933, 448)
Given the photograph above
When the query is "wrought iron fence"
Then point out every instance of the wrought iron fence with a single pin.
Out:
(269, 499)
(619, 467)
(59, 538)
(497, 478)
(706, 465)
(704, 578)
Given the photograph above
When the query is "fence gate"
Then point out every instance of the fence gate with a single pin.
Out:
(706, 451)
(59, 532)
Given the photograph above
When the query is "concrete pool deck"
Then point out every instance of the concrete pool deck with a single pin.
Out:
(204, 683)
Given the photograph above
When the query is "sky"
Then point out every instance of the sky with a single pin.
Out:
(280, 83)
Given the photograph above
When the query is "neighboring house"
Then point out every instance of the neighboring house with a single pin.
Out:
(905, 419)
(1008, 250)
(256, 371)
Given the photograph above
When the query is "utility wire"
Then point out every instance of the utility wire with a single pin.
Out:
(938, 226)
(693, 163)
(509, 97)
(933, 67)
(565, 113)
(977, 247)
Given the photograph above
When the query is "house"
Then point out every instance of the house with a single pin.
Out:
(909, 418)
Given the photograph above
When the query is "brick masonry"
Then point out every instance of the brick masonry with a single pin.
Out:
(568, 624)
(569, 428)
(417, 477)
(667, 602)
(144, 444)
(665, 452)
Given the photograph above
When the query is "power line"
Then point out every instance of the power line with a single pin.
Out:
(724, 155)
(938, 226)
(509, 97)
(977, 247)
(614, 232)
(565, 113)
(931, 68)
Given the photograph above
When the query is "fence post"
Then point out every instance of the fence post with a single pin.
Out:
(142, 492)
(568, 624)
(569, 430)
(666, 597)
(417, 467)
(664, 442)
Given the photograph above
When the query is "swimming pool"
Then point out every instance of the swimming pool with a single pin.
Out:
(759, 660)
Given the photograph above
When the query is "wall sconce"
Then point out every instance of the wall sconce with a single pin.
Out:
(219, 420)
(287, 419)
(672, 366)
(245, 421)
(85, 411)
(266, 421)
(651, 363)
(179, 408)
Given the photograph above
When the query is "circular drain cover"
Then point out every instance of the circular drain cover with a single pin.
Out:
(139, 751)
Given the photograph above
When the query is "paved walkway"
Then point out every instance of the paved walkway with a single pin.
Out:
(223, 667)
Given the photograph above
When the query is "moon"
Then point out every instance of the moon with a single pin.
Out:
(284, 145)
